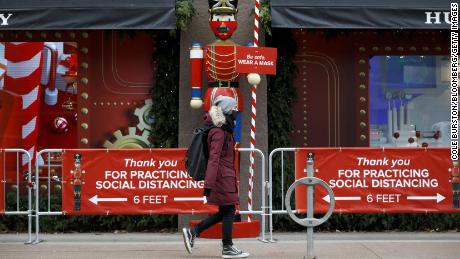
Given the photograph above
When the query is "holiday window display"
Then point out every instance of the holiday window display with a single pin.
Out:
(34, 92)
(409, 101)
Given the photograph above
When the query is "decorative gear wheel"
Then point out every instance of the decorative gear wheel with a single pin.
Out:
(145, 119)
(132, 140)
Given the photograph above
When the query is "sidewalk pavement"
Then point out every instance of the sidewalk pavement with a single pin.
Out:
(289, 245)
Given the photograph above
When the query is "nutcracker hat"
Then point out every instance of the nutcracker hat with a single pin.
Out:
(223, 6)
(77, 159)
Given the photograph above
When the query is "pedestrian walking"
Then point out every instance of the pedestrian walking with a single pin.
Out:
(220, 185)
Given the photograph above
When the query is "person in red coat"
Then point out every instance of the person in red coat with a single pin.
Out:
(220, 184)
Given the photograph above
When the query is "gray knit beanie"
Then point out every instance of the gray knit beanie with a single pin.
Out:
(226, 103)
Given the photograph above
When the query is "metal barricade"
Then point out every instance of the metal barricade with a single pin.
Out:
(19, 165)
(39, 213)
(263, 210)
(270, 187)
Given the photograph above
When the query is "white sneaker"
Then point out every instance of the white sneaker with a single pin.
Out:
(189, 239)
(233, 252)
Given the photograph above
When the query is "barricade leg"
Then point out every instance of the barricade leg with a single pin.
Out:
(263, 212)
(270, 194)
(37, 201)
(29, 195)
(310, 208)
(25, 159)
(270, 188)
(37, 193)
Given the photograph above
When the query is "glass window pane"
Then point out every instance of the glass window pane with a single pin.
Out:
(409, 101)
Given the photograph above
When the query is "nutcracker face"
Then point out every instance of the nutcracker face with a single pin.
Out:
(223, 25)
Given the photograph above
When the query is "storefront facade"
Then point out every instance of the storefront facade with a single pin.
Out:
(368, 74)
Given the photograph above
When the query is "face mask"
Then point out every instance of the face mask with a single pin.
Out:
(233, 115)
(223, 29)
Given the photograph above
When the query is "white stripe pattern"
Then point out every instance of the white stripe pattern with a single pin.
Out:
(29, 98)
(25, 158)
(29, 127)
(23, 68)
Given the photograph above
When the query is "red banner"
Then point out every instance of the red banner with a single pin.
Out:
(375, 180)
(134, 181)
(2, 182)
(258, 60)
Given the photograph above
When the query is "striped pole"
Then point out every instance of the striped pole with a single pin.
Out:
(256, 24)
(24, 63)
(253, 114)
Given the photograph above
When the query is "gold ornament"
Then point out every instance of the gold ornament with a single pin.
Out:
(70, 105)
(84, 111)
(131, 140)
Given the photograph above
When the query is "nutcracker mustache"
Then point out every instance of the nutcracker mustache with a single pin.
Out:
(223, 29)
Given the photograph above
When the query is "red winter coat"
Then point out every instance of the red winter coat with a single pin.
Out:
(220, 172)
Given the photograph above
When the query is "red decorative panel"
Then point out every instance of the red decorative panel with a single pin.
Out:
(119, 79)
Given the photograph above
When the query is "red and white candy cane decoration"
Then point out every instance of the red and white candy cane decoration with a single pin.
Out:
(24, 62)
(2, 64)
(253, 114)
(256, 24)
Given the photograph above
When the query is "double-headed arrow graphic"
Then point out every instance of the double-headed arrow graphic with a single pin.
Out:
(96, 199)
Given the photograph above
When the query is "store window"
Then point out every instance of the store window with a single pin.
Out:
(409, 101)
(38, 94)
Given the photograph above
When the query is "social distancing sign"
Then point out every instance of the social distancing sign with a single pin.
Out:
(143, 181)
(375, 180)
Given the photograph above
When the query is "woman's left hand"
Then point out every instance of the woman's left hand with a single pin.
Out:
(206, 192)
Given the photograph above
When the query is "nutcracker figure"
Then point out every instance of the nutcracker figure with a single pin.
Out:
(218, 60)
(77, 181)
(454, 179)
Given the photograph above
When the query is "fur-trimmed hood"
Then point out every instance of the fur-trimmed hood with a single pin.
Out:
(215, 117)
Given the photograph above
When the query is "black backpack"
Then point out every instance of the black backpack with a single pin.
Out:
(196, 158)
